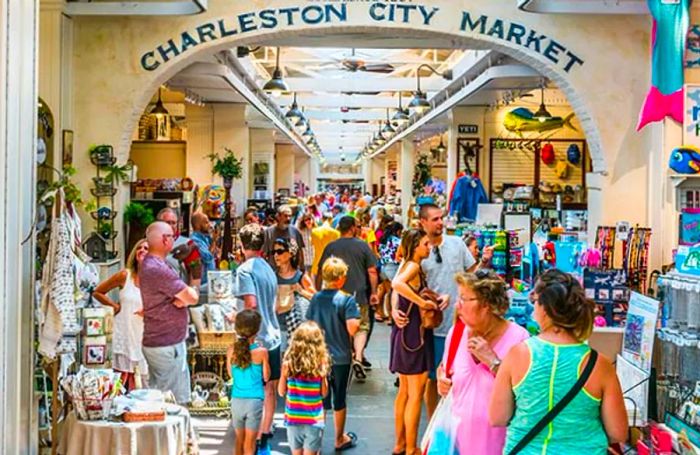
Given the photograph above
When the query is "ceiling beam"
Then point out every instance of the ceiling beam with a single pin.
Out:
(358, 83)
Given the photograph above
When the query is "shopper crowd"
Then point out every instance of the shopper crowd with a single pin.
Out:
(314, 282)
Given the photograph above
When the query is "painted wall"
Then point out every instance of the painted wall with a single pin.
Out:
(285, 167)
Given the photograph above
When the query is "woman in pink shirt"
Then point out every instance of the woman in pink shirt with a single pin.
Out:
(482, 304)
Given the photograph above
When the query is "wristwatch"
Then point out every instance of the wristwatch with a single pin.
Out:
(495, 363)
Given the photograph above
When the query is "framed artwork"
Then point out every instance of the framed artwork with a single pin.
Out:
(95, 354)
(468, 150)
(284, 192)
(94, 326)
(67, 147)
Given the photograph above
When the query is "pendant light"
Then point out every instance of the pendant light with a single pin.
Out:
(441, 148)
(276, 86)
(388, 129)
(307, 134)
(401, 116)
(542, 113)
(420, 103)
(294, 114)
(159, 109)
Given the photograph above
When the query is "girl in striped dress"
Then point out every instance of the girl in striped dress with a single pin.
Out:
(304, 370)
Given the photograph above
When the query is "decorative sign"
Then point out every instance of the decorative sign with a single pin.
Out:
(640, 329)
(622, 231)
(690, 227)
(338, 13)
(691, 118)
(468, 129)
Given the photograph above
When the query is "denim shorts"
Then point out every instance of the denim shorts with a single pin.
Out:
(246, 413)
(305, 437)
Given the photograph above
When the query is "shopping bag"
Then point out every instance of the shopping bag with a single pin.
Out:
(440, 437)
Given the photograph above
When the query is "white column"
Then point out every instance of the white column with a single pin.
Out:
(367, 172)
(407, 162)
(313, 174)
(452, 154)
(18, 109)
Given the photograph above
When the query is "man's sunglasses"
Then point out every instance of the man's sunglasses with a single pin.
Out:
(438, 256)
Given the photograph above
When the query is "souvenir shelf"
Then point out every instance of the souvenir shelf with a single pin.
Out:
(101, 245)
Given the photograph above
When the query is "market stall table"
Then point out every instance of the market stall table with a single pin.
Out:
(173, 436)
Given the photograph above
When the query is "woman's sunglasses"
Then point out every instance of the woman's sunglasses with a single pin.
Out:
(276, 252)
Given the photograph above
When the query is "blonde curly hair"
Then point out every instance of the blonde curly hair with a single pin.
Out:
(307, 354)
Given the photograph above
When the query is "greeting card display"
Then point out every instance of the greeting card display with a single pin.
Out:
(609, 290)
(638, 341)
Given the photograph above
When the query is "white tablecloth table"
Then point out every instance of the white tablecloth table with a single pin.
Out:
(173, 436)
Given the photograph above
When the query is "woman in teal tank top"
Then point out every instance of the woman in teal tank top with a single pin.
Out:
(539, 372)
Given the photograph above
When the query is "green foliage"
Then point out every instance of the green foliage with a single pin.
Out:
(421, 175)
(70, 189)
(228, 166)
(138, 214)
(117, 174)
(104, 228)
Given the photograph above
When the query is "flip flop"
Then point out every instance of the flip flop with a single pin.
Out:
(349, 444)
(359, 371)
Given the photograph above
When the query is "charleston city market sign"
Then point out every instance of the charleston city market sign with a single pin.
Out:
(370, 13)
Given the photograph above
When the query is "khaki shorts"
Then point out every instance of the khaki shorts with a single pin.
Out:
(364, 317)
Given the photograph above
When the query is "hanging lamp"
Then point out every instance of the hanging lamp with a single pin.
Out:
(276, 86)
(420, 103)
(402, 115)
(159, 109)
(441, 148)
(542, 113)
(388, 129)
(294, 113)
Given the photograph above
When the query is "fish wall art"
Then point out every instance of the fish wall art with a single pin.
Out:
(522, 120)
(685, 160)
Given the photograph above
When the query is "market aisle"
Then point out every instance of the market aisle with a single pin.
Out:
(370, 412)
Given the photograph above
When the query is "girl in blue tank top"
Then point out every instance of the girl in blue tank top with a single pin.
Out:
(539, 372)
(249, 367)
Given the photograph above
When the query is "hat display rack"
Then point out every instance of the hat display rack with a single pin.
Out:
(552, 166)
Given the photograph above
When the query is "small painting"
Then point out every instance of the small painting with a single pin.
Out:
(67, 147)
(94, 326)
(94, 354)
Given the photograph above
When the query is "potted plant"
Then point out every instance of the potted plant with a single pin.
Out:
(101, 155)
(137, 217)
(227, 166)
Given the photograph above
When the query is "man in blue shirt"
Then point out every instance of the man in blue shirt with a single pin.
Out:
(256, 285)
(205, 243)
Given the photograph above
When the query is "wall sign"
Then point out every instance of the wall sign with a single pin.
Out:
(468, 129)
(338, 13)
(691, 118)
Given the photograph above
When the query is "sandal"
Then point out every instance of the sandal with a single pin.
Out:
(348, 444)
(359, 371)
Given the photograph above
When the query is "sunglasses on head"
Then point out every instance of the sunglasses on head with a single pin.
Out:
(482, 274)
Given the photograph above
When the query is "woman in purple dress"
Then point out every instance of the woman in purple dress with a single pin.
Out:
(411, 345)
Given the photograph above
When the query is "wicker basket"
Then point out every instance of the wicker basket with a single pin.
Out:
(131, 417)
(216, 340)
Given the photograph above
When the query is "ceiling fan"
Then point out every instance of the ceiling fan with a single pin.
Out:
(353, 63)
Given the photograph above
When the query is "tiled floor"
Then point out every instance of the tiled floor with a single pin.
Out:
(370, 412)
